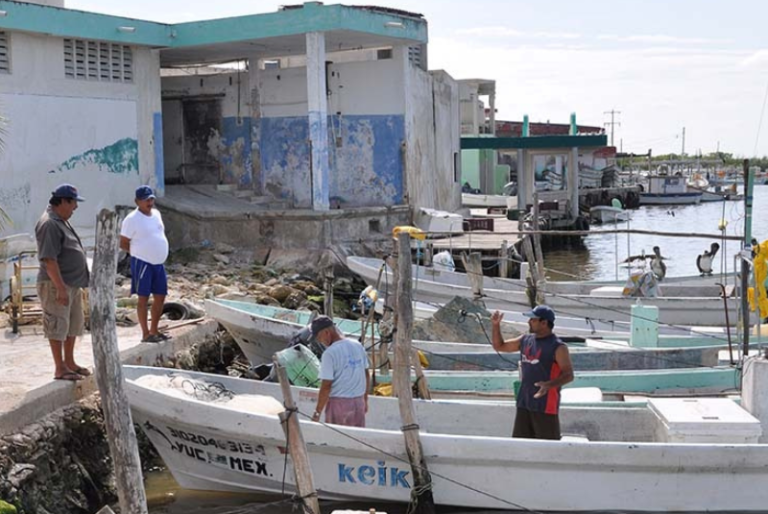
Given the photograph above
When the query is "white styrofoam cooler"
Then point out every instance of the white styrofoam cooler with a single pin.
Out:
(705, 420)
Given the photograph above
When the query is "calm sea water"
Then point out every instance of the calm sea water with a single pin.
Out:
(597, 258)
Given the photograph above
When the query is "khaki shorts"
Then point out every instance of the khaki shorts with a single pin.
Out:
(61, 321)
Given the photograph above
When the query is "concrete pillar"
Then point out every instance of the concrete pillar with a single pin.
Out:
(573, 182)
(254, 111)
(754, 391)
(492, 107)
(317, 102)
(522, 179)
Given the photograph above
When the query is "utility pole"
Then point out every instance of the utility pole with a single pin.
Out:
(682, 153)
(612, 123)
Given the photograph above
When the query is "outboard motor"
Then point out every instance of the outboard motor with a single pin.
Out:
(304, 336)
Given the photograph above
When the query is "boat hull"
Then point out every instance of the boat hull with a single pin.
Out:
(261, 331)
(575, 300)
(670, 198)
(604, 214)
(225, 449)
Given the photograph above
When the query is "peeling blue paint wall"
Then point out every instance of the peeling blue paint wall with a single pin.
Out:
(366, 169)
(235, 150)
(285, 159)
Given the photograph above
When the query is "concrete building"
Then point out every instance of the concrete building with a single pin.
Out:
(303, 128)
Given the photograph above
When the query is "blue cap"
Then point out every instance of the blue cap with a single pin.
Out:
(144, 192)
(541, 312)
(319, 324)
(67, 191)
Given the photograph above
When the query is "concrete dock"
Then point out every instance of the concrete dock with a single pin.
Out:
(28, 390)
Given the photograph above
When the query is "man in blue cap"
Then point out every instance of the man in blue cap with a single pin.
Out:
(545, 366)
(62, 275)
(143, 236)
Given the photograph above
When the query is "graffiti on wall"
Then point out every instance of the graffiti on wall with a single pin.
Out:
(89, 142)
(120, 157)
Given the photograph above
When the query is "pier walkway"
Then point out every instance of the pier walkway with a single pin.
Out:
(28, 391)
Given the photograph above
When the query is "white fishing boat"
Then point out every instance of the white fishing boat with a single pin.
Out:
(262, 330)
(603, 214)
(486, 201)
(218, 433)
(686, 305)
(668, 190)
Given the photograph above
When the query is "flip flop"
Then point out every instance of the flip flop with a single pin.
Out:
(154, 338)
(164, 337)
(71, 376)
(83, 371)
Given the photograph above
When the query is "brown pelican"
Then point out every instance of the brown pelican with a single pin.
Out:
(704, 261)
(657, 264)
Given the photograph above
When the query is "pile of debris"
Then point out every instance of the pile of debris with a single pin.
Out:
(196, 274)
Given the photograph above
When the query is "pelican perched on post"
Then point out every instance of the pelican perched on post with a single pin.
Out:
(658, 267)
(657, 264)
(705, 260)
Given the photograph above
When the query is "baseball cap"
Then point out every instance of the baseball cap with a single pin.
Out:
(144, 193)
(320, 323)
(541, 312)
(67, 191)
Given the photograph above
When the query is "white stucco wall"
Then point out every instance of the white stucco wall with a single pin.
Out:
(432, 134)
(447, 141)
(357, 88)
(95, 135)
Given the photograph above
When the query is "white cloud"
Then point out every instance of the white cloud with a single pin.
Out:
(660, 39)
(658, 90)
(503, 32)
(759, 57)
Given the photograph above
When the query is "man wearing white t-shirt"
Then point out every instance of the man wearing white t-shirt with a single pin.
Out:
(344, 374)
(143, 236)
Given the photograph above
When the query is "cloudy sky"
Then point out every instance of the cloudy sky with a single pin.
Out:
(664, 64)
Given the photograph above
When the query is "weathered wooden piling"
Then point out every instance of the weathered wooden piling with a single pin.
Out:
(109, 373)
(297, 448)
(401, 381)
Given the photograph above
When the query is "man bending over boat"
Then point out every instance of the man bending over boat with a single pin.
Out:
(545, 366)
(344, 375)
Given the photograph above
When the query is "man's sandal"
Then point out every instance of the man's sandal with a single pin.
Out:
(70, 375)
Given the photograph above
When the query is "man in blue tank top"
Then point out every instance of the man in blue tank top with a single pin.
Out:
(545, 366)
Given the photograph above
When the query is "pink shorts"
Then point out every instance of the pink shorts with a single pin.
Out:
(346, 411)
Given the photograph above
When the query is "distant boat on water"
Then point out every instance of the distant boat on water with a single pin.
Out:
(669, 190)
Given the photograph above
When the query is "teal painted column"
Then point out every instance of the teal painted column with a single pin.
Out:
(573, 181)
(317, 107)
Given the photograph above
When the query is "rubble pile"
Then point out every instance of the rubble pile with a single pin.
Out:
(196, 274)
(60, 464)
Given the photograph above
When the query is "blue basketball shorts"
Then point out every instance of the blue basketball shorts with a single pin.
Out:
(148, 279)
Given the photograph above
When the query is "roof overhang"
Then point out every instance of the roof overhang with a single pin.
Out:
(265, 35)
(534, 142)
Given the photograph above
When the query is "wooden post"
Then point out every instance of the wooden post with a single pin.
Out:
(503, 260)
(401, 381)
(421, 379)
(328, 299)
(537, 242)
(297, 448)
(473, 264)
(109, 373)
(532, 281)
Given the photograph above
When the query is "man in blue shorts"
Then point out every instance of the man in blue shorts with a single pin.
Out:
(143, 236)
